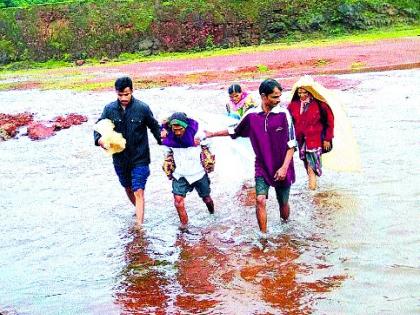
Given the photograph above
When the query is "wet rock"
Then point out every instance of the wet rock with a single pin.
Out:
(4, 135)
(10, 129)
(39, 131)
(247, 195)
(10, 123)
(64, 122)
(146, 44)
(19, 120)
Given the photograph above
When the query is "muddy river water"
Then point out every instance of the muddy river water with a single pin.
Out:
(67, 243)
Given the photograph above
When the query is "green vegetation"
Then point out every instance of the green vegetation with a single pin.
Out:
(357, 65)
(262, 68)
(321, 62)
(23, 3)
(128, 58)
(72, 77)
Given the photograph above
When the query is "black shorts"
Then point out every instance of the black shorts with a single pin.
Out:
(181, 186)
(282, 193)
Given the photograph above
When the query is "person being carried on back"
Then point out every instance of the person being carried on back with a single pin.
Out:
(187, 163)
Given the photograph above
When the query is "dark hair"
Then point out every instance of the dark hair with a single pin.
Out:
(122, 83)
(234, 88)
(296, 96)
(268, 85)
(179, 116)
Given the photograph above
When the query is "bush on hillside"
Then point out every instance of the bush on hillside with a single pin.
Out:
(95, 29)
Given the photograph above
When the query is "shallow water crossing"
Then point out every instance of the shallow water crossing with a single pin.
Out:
(68, 245)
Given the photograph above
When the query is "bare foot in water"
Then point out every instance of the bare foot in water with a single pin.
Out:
(311, 179)
(183, 227)
(138, 226)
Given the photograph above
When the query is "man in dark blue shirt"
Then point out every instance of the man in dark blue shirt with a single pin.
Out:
(131, 118)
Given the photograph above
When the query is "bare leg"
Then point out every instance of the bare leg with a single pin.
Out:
(130, 195)
(261, 213)
(139, 195)
(311, 178)
(209, 203)
(180, 207)
(284, 211)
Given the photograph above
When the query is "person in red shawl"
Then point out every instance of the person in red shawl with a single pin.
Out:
(314, 126)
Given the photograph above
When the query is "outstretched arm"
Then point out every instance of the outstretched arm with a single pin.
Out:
(220, 133)
(234, 131)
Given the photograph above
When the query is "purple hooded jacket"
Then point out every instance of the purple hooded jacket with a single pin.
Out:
(186, 141)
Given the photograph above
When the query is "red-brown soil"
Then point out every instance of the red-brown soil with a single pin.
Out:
(390, 54)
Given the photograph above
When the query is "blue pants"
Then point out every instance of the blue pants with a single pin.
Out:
(134, 178)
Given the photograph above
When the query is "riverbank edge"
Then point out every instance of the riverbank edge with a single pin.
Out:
(96, 77)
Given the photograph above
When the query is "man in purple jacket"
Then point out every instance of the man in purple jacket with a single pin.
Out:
(272, 136)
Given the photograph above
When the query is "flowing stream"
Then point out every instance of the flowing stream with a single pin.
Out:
(67, 243)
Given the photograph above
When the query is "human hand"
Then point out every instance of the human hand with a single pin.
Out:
(326, 145)
(197, 141)
(280, 174)
(102, 144)
(163, 133)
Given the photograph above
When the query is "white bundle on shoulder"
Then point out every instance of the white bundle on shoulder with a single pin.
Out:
(113, 141)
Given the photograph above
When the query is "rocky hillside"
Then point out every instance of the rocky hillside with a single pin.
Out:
(78, 30)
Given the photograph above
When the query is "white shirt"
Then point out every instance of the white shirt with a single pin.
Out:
(188, 162)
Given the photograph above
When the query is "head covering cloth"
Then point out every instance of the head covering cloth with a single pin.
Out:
(345, 156)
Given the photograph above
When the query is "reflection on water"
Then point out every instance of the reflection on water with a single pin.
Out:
(286, 282)
(270, 275)
(198, 270)
(68, 246)
(142, 286)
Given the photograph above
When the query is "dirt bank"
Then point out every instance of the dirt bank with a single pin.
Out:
(288, 64)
